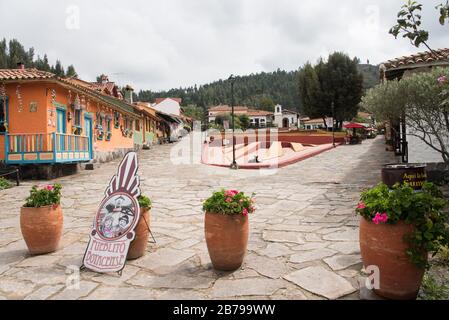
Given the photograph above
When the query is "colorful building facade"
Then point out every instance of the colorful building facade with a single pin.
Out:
(49, 120)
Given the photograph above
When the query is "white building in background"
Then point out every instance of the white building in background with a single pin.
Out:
(258, 118)
(168, 105)
(286, 119)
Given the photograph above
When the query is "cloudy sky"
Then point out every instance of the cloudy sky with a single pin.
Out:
(163, 44)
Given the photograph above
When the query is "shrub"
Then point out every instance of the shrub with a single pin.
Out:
(49, 195)
(422, 209)
(5, 184)
(145, 202)
(229, 202)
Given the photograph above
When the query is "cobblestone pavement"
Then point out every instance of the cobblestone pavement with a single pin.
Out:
(303, 239)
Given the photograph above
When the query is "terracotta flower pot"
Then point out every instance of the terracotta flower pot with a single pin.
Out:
(139, 246)
(227, 240)
(41, 228)
(384, 246)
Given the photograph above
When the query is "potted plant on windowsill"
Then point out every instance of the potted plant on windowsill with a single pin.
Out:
(138, 247)
(41, 219)
(227, 228)
(400, 227)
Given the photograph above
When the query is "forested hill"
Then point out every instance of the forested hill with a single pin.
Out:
(370, 75)
(13, 52)
(262, 90)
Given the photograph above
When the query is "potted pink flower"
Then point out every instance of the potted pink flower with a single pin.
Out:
(227, 228)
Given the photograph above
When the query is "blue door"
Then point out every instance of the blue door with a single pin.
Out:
(61, 128)
(88, 132)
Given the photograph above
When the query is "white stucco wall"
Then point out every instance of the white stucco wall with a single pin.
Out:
(419, 152)
(169, 106)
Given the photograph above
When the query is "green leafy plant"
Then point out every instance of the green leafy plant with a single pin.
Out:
(5, 184)
(422, 209)
(229, 202)
(424, 98)
(49, 195)
(432, 290)
(145, 202)
(409, 22)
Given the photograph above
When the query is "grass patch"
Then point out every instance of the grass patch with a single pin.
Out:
(443, 256)
(5, 184)
(431, 289)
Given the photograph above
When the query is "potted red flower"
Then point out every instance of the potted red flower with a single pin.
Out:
(400, 227)
(41, 219)
(227, 228)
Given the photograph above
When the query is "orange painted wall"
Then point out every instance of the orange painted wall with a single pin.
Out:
(26, 121)
(44, 121)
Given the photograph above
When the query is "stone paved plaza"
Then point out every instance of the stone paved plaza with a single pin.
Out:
(303, 238)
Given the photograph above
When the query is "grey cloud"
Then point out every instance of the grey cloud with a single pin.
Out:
(163, 44)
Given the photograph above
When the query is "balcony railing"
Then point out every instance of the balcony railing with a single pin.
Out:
(46, 148)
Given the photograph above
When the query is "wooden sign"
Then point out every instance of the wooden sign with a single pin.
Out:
(115, 220)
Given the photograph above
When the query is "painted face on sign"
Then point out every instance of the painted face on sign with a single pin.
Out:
(123, 222)
(113, 224)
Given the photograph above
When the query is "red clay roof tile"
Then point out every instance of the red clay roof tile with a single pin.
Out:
(25, 74)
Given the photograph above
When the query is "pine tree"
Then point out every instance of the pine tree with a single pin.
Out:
(3, 54)
(71, 72)
(58, 69)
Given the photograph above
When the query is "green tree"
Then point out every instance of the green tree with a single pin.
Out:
(245, 122)
(17, 54)
(58, 69)
(409, 23)
(424, 99)
(310, 91)
(42, 64)
(341, 84)
(335, 81)
(194, 112)
(3, 54)
(71, 72)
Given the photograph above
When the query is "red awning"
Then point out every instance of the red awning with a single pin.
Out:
(354, 126)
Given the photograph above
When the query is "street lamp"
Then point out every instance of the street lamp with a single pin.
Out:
(234, 165)
(333, 124)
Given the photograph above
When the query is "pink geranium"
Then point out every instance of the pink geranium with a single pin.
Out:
(228, 200)
(49, 187)
(231, 193)
(442, 80)
(245, 212)
(361, 206)
(380, 218)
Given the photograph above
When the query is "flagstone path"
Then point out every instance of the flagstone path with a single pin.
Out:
(303, 242)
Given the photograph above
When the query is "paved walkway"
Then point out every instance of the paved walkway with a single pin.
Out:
(303, 243)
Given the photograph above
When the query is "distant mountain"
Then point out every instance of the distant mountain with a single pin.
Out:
(370, 75)
(262, 90)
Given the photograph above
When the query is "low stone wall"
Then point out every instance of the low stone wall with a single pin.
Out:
(47, 171)
(106, 156)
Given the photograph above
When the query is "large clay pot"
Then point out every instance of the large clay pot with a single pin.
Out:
(384, 246)
(41, 228)
(139, 246)
(227, 240)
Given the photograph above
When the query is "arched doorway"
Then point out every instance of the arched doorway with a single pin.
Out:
(285, 123)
